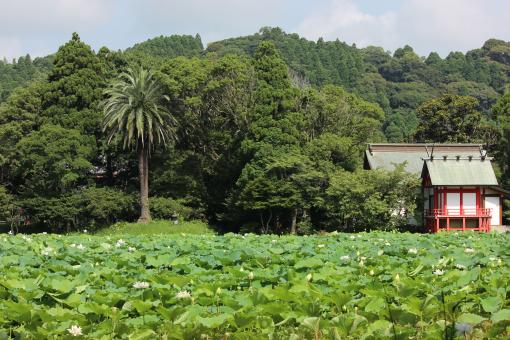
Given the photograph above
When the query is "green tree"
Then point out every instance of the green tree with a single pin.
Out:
(273, 133)
(75, 87)
(364, 200)
(135, 113)
(449, 119)
(501, 112)
(6, 204)
(53, 160)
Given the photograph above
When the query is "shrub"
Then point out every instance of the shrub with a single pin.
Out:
(169, 208)
(6, 202)
(105, 206)
(89, 208)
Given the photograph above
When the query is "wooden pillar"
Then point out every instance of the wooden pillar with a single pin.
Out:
(461, 208)
(447, 223)
(463, 224)
(437, 224)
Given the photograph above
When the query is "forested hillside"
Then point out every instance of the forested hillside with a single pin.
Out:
(398, 82)
(269, 137)
(169, 47)
(20, 71)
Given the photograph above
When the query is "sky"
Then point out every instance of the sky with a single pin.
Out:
(39, 27)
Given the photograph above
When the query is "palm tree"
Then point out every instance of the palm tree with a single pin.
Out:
(134, 112)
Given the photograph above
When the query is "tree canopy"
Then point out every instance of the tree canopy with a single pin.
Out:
(269, 130)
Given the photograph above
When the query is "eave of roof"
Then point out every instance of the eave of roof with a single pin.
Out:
(388, 155)
(461, 172)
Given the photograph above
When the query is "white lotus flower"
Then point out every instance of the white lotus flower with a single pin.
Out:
(309, 277)
(438, 272)
(80, 246)
(10, 232)
(75, 330)
(460, 266)
(397, 278)
(345, 258)
(412, 251)
(46, 251)
(372, 272)
(320, 246)
(251, 276)
(274, 241)
(469, 250)
(141, 285)
(352, 237)
(387, 244)
(85, 231)
(131, 249)
(361, 263)
(106, 245)
(120, 243)
(184, 294)
(26, 238)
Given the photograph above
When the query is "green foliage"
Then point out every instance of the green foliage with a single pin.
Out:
(169, 47)
(6, 204)
(75, 87)
(263, 128)
(376, 198)
(102, 206)
(501, 112)
(377, 285)
(135, 113)
(88, 207)
(195, 227)
(170, 209)
(52, 160)
(449, 119)
(22, 72)
(321, 62)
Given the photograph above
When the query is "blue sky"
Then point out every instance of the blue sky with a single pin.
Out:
(38, 27)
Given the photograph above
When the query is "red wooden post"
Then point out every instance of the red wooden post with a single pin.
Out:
(461, 208)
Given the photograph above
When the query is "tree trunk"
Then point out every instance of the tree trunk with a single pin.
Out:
(143, 168)
(293, 223)
(109, 169)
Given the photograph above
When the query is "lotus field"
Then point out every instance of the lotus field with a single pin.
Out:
(338, 286)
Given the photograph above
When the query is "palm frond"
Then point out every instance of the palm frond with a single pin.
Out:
(135, 111)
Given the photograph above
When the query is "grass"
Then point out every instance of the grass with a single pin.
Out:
(156, 227)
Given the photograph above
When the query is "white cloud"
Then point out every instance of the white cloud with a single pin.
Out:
(9, 48)
(34, 16)
(38, 27)
(217, 19)
(427, 25)
(24, 22)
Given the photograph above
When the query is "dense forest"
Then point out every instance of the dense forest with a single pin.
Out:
(270, 130)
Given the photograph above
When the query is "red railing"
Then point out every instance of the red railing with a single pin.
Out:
(480, 212)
